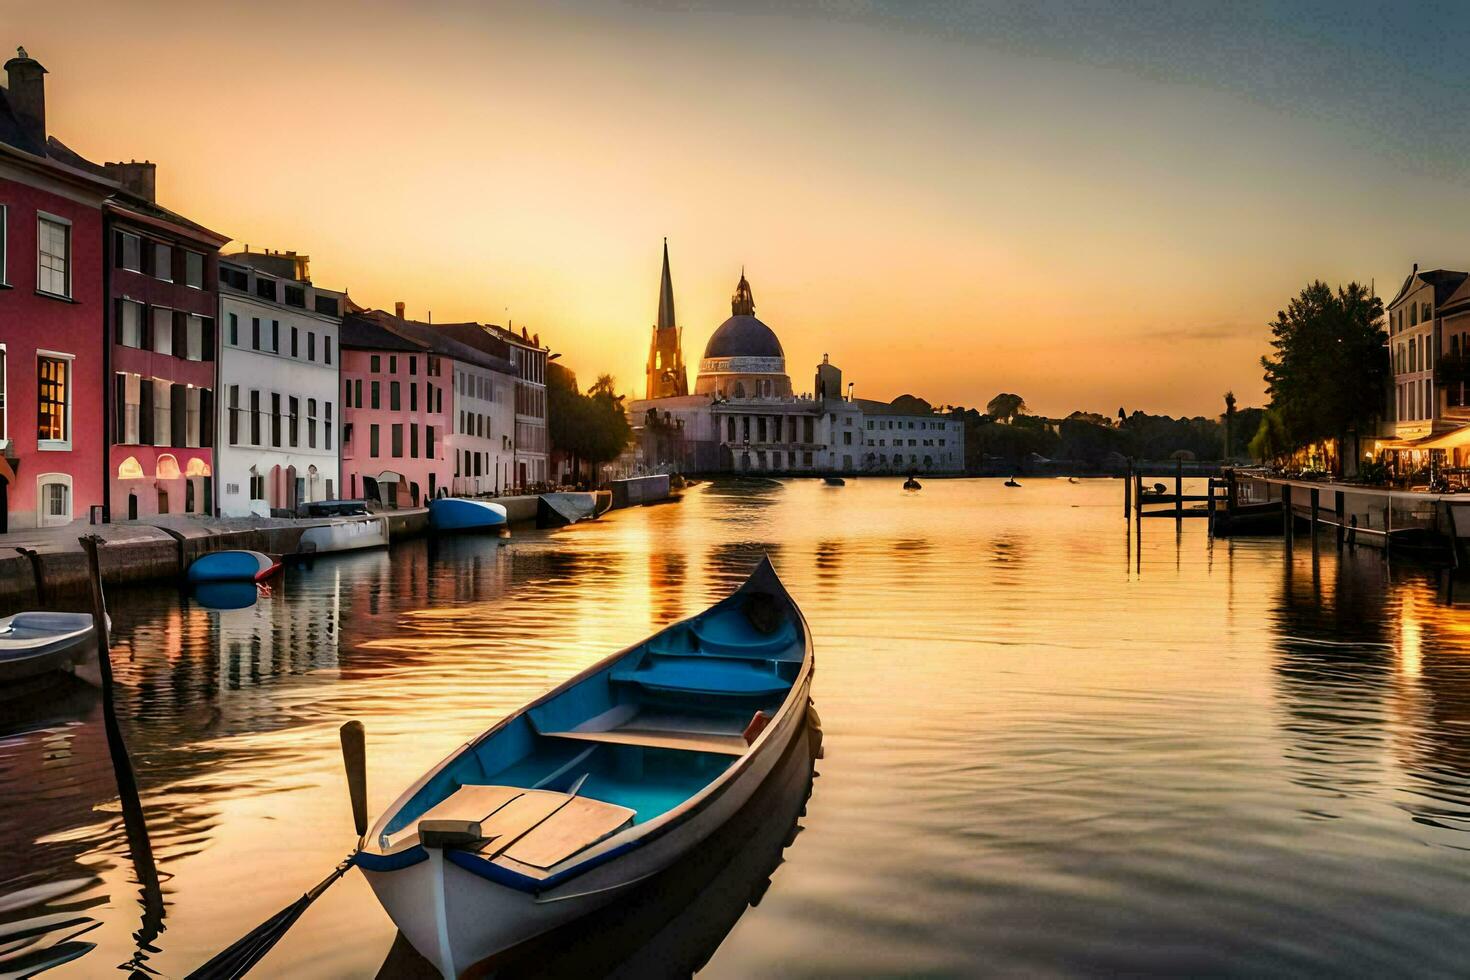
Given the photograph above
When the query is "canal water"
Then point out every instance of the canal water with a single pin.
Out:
(1049, 748)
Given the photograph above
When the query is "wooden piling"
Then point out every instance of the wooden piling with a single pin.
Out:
(1316, 506)
(1340, 513)
(1287, 517)
(1128, 492)
(1178, 489)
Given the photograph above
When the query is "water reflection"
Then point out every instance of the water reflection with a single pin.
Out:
(1043, 760)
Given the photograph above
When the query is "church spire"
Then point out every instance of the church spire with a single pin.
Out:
(666, 319)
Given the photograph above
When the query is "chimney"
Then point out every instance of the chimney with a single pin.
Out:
(398, 309)
(136, 178)
(27, 95)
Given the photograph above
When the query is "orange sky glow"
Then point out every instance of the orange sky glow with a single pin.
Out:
(943, 214)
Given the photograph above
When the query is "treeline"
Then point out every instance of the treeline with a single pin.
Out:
(590, 428)
(1005, 435)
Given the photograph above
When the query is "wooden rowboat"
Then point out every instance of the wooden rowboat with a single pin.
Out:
(33, 644)
(561, 809)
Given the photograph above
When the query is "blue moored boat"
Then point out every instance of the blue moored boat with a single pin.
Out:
(560, 809)
(232, 566)
(461, 514)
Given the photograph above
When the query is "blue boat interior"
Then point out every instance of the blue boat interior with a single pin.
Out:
(651, 729)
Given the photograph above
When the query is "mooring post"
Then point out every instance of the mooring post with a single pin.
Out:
(1178, 491)
(1210, 508)
(1340, 512)
(1128, 491)
(1316, 506)
(1286, 516)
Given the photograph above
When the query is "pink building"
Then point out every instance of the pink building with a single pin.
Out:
(52, 316)
(397, 400)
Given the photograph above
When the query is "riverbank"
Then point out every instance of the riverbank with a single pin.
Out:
(43, 566)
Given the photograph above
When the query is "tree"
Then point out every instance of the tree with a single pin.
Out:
(591, 428)
(1270, 441)
(1329, 374)
(1005, 406)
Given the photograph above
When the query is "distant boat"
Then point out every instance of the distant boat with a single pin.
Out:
(232, 566)
(1012, 482)
(559, 811)
(912, 484)
(37, 643)
(450, 514)
(1073, 479)
(834, 481)
(561, 509)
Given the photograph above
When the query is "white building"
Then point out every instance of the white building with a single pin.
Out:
(277, 445)
(530, 445)
(744, 416)
(482, 431)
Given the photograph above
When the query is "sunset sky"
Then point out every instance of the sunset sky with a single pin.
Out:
(1091, 205)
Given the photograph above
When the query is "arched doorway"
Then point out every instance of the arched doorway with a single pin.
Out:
(188, 496)
(132, 505)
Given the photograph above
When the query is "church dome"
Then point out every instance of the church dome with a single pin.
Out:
(743, 336)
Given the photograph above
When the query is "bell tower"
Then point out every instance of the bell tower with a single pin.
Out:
(667, 376)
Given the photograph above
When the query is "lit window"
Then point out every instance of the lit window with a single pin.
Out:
(53, 388)
(53, 256)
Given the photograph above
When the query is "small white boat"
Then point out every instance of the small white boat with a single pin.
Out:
(344, 535)
(36, 643)
(566, 806)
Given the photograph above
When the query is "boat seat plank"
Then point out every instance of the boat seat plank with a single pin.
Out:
(697, 675)
(574, 827)
(507, 824)
(688, 741)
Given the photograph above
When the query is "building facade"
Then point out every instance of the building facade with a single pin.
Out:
(1416, 342)
(163, 298)
(745, 418)
(52, 318)
(530, 444)
(397, 397)
(482, 424)
(279, 361)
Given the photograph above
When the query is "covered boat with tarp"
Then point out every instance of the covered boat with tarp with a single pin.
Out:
(563, 808)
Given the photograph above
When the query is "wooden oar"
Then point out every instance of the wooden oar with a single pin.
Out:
(237, 959)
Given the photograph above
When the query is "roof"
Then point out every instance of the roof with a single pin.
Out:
(1445, 283)
(380, 330)
(871, 406)
(743, 336)
(478, 345)
(63, 164)
(1456, 301)
(666, 319)
(365, 331)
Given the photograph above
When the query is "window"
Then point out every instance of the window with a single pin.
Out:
(413, 441)
(326, 305)
(130, 327)
(295, 295)
(373, 441)
(327, 349)
(194, 349)
(377, 391)
(374, 363)
(276, 419)
(413, 365)
(235, 278)
(194, 403)
(311, 423)
(4, 238)
(53, 256)
(428, 442)
(265, 288)
(53, 389)
(293, 406)
(234, 330)
(234, 408)
(327, 427)
(392, 363)
(294, 333)
(255, 332)
(255, 418)
(162, 411)
(163, 330)
(395, 399)
(54, 493)
(194, 269)
(357, 393)
(163, 262)
(310, 346)
(275, 336)
(397, 441)
(413, 397)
